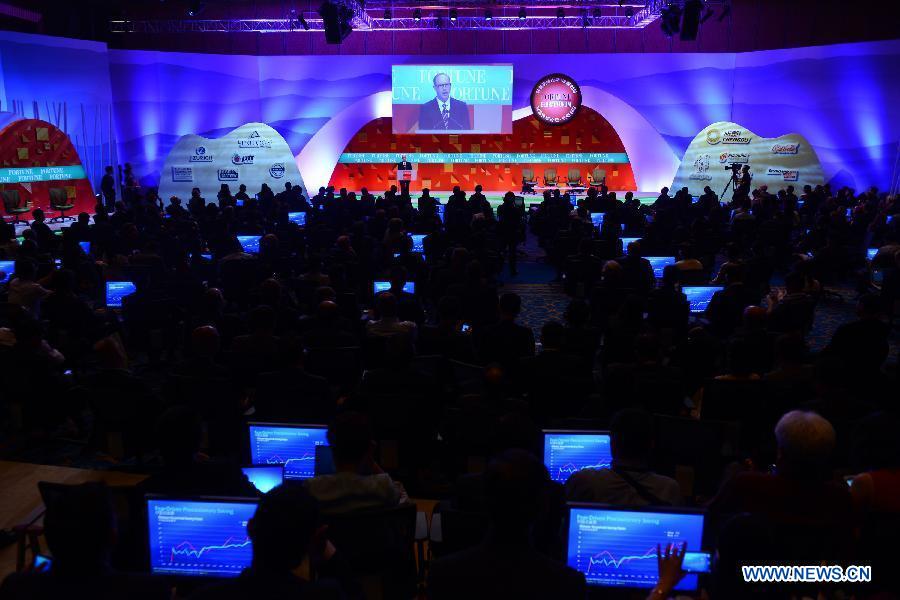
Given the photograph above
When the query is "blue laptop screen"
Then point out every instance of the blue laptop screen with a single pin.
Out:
(249, 243)
(418, 243)
(568, 452)
(659, 263)
(116, 290)
(297, 217)
(7, 268)
(199, 538)
(871, 252)
(293, 446)
(265, 478)
(628, 240)
(85, 247)
(617, 548)
(699, 296)
(382, 286)
(597, 219)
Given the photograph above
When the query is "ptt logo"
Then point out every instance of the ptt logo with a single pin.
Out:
(246, 159)
(200, 155)
(733, 157)
(277, 170)
(228, 175)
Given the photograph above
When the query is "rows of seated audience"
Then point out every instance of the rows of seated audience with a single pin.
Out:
(441, 392)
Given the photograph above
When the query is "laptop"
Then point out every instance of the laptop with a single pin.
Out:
(870, 253)
(85, 247)
(418, 243)
(659, 263)
(566, 452)
(116, 290)
(440, 211)
(628, 240)
(7, 268)
(264, 478)
(382, 286)
(298, 218)
(199, 537)
(293, 446)
(616, 546)
(249, 243)
(700, 295)
(597, 219)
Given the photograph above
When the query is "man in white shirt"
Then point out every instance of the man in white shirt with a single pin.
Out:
(388, 323)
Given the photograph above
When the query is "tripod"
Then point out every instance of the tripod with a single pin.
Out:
(729, 184)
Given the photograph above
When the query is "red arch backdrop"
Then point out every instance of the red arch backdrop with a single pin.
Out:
(587, 132)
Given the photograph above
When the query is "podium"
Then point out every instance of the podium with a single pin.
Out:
(406, 175)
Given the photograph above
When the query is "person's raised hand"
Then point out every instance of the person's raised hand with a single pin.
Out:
(669, 562)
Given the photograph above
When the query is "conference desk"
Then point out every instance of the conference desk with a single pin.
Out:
(21, 502)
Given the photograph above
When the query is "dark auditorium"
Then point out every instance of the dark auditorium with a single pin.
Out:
(467, 300)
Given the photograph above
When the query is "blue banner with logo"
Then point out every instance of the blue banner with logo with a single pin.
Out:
(486, 157)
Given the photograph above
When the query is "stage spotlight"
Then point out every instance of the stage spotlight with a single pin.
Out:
(629, 12)
(195, 8)
(438, 22)
(488, 16)
(387, 14)
(522, 14)
(560, 13)
(452, 14)
(417, 15)
(584, 20)
(690, 22)
(597, 13)
(304, 24)
(670, 20)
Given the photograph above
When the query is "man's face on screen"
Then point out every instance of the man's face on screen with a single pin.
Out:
(442, 87)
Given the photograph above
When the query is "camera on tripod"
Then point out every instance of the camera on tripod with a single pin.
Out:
(734, 167)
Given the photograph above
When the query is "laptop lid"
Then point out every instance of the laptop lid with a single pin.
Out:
(293, 446)
(418, 243)
(199, 537)
(383, 286)
(249, 243)
(7, 268)
(597, 219)
(616, 546)
(699, 296)
(298, 218)
(116, 290)
(659, 263)
(567, 452)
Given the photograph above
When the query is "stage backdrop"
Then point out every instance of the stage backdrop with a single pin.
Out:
(777, 162)
(495, 162)
(36, 157)
(840, 98)
(252, 154)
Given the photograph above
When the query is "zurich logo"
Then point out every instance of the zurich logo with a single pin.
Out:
(200, 150)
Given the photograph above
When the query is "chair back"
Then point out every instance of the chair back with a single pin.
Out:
(574, 175)
(550, 175)
(11, 199)
(59, 198)
(528, 174)
(380, 547)
(460, 530)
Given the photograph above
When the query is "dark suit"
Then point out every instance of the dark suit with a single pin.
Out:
(430, 116)
(404, 185)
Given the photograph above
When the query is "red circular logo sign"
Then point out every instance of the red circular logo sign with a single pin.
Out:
(555, 99)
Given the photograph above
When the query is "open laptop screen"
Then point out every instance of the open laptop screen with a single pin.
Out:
(205, 537)
(566, 452)
(249, 243)
(264, 478)
(616, 547)
(699, 296)
(298, 218)
(659, 263)
(116, 290)
(383, 286)
(293, 446)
